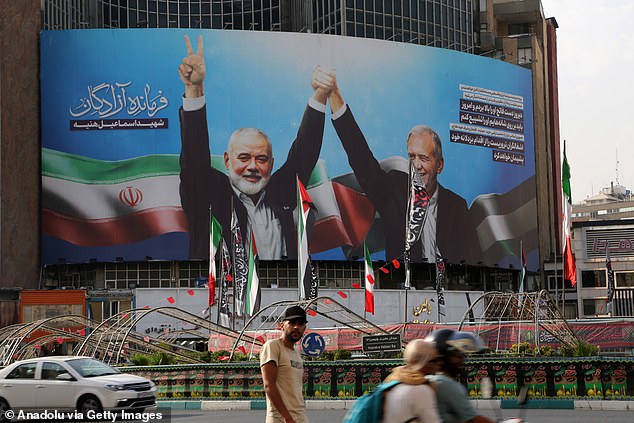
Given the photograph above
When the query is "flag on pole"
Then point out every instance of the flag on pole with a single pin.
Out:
(570, 269)
(417, 204)
(416, 208)
(523, 275)
(369, 281)
(304, 273)
(224, 308)
(240, 265)
(608, 264)
(440, 286)
(215, 235)
(253, 285)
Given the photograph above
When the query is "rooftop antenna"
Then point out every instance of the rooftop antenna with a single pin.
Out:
(617, 166)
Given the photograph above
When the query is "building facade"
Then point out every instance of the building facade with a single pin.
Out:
(513, 31)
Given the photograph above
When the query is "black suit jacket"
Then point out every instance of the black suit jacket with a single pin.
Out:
(202, 186)
(455, 235)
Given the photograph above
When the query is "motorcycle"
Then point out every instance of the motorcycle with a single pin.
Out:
(486, 389)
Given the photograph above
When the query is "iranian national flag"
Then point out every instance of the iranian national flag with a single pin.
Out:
(369, 281)
(215, 235)
(253, 282)
(98, 203)
(570, 269)
(304, 274)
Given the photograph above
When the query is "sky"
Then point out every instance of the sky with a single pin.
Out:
(595, 46)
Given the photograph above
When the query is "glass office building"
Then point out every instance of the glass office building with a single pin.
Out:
(440, 23)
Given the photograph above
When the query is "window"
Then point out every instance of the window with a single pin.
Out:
(593, 279)
(594, 306)
(50, 371)
(624, 279)
(23, 371)
(524, 56)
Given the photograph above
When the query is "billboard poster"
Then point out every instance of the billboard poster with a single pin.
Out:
(146, 133)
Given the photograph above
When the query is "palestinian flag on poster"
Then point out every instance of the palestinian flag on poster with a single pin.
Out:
(89, 202)
(570, 268)
(215, 235)
(304, 272)
(369, 282)
(253, 285)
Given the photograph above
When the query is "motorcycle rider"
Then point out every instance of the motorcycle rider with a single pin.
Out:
(453, 403)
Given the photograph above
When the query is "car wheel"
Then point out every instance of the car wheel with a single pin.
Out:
(89, 402)
(4, 406)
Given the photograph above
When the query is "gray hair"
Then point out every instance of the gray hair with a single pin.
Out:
(424, 129)
(248, 131)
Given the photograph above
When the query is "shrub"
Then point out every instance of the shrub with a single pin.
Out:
(341, 354)
(162, 359)
(140, 359)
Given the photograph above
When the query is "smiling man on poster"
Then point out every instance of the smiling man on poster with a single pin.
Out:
(263, 200)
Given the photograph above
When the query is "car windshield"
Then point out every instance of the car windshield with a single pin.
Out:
(89, 367)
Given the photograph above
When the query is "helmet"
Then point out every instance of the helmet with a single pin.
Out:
(449, 342)
(466, 342)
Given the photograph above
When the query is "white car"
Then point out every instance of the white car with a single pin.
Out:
(72, 383)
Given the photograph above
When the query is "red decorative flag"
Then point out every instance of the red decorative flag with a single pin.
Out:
(260, 338)
(190, 292)
(327, 301)
(82, 332)
(146, 306)
(356, 285)
(311, 312)
(146, 338)
(124, 315)
(60, 340)
(223, 358)
(229, 278)
(342, 294)
(171, 300)
(384, 270)
(369, 281)
(242, 349)
(396, 263)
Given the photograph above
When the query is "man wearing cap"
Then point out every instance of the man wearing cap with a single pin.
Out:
(283, 371)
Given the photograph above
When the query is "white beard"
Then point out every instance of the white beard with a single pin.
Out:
(246, 187)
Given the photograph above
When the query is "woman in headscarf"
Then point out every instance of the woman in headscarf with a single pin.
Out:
(413, 400)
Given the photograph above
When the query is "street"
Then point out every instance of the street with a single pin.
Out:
(334, 416)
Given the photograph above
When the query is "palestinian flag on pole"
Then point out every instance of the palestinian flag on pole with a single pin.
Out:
(369, 281)
(304, 274)
(253, 285)
(570, 268)
(608, 265)
(215, 235)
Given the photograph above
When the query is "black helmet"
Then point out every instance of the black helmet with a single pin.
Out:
(449, 342)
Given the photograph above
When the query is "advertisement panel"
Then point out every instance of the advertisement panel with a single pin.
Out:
(125, 176)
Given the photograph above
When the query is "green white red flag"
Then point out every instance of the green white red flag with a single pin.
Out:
(253, 282)
(570, 268)
(369, 281)
(215, 235)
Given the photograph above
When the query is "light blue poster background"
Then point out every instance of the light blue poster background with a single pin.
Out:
(262, 79)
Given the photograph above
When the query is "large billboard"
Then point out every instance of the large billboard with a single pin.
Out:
(146, 133)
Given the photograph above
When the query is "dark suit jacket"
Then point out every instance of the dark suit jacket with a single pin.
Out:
(203, 186)
(455, 235)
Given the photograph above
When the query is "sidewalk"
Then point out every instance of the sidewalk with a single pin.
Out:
(260, 404)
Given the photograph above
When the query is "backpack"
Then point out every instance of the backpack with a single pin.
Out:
(369, 407)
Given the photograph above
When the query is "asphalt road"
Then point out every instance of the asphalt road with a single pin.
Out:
(335, 416)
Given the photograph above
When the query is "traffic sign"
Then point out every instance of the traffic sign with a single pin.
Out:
(313, 344)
